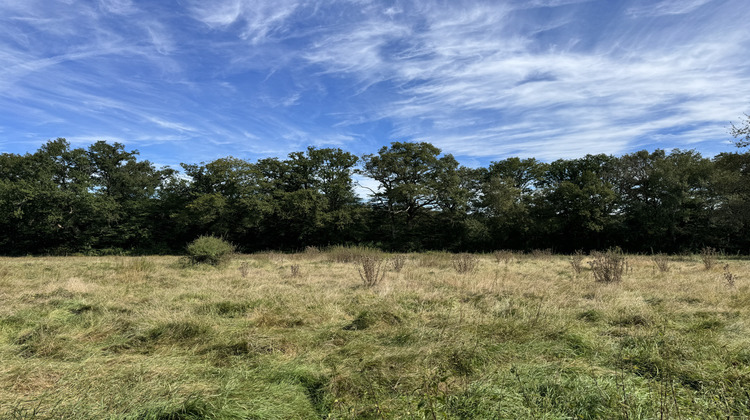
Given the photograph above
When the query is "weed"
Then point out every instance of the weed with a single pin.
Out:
(244, 269)
(609, 266)
(398, 260)
(661, 261)
(465, 263)
(295, 270)
(371, 269)
(542, 254)
(503, 256)
(708, 257)
(729, 277)
(576, 261)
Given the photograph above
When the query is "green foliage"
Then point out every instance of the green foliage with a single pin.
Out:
(103, 200)
(209, 250)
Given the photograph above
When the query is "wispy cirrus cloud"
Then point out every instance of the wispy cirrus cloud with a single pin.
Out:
(480, 79)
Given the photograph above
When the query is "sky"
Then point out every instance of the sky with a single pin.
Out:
(196, 80)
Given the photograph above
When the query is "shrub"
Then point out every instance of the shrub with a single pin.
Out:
(542, 254)
(503, 256)
(608, 266)
(244, 269)
(729, 277)
(576, 261)
(661, 261)
(465, 263)
(399, 261)
(371, 270)
(209, 250)
(295, 270)
(708, 256)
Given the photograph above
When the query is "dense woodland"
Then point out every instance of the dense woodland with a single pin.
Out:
(103, 199)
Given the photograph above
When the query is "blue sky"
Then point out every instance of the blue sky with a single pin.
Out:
(195, 80)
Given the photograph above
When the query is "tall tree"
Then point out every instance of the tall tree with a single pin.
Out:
(408, 175)
(579, 202)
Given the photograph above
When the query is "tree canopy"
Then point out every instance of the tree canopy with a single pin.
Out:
(104, 199)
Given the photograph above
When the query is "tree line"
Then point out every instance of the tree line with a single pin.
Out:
(103, 199)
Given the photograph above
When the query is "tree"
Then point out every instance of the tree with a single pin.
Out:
(507, 198)
(579, 202)
(665, 200)
(409, 175)
(741, 133)
(126, 192)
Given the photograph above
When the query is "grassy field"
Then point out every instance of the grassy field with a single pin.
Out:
(273, 336)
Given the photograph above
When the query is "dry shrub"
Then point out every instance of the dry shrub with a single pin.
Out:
(542, 254)
(661, 261)
(244, 269)
(609, 266)
(729, 277)
(503, 255)
(576, 261)
(708, 257)
(311, 251)
(398, 261)
(465, 263)
(371, 269)
(295, 270)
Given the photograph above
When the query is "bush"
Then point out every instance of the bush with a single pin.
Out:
(209, 250)
(371, 270)
(465, 263)
(609, 266)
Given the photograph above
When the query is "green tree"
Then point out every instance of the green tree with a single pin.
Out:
(665, 200)
(507, 195)
(409, 177)
(578, 204)
(126, 192)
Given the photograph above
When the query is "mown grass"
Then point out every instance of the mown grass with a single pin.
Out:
(528, 337)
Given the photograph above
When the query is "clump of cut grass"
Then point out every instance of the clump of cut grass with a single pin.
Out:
(576, 261)
(503, 256)
(465, 263)
(371, 269)
(661, 261)
(609, 266)
(398, 261)
(209, 250)
(708, 257)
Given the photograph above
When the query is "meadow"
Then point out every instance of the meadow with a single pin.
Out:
(300, 336)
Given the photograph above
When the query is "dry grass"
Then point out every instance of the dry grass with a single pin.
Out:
(122, 337)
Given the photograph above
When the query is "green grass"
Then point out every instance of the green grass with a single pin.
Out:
(148, 338)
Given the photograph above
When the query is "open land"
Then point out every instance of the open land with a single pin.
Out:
(298, 336)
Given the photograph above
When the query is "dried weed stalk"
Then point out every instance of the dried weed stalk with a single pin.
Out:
(609, 266)
(576, 261)
(371, 270)
(465, 263)
(661, 261)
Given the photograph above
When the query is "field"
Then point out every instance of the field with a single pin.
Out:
(275, 336)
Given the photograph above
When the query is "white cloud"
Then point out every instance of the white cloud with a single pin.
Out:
(666, 7)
